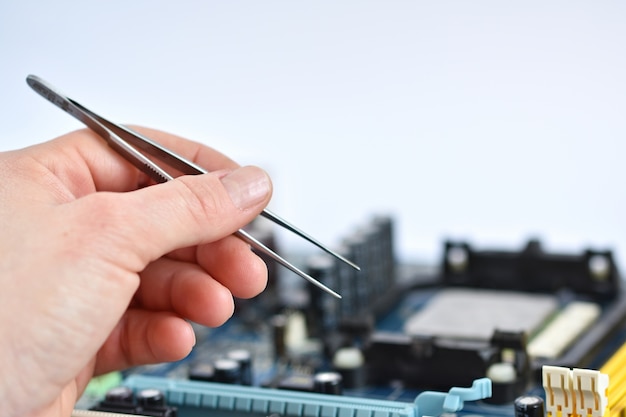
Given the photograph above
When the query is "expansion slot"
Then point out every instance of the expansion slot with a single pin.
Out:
(223, 400)
(615, 368)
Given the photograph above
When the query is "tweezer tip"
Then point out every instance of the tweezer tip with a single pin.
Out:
(355, 266)
(319, 284)
(284, 223)
(331, 292)
(339, 257)
(345, 260)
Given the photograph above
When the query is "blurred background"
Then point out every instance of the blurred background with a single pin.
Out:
(489, 121)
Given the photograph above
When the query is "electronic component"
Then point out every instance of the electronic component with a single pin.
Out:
(149, 399)
(191, 396)
(560, 398)
(412, 330)
(279, 335)
(120, 395)
(350, 364)
(91, 413)
(146, 401)
(297, 382)
(529, 406)
(328, 383)
(591, 388)
(323, 312)
(244, 358)
(577, 392)
(227, 371)
(570, 323)
(372, 245)
(436, 363)
(615, 368)
(202, 372)
(475, 314)
(440, 363)
(297, 338)
(592, 273)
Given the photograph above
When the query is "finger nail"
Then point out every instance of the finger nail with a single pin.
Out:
(247, 186)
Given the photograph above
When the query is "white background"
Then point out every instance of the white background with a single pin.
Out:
(491, 121)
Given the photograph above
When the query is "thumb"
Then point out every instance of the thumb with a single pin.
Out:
(189, 210)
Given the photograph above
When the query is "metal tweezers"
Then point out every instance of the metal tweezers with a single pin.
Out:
(124, 140)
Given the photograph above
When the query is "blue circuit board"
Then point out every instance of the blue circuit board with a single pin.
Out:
(400, 363)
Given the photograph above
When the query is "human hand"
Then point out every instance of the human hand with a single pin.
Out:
(99, 272)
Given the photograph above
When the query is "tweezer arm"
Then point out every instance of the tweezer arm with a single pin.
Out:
(248, 238)
(113, 134)
(188, 167)
(285, 224)
(90, 120)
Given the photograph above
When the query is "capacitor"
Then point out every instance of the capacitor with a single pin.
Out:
(529, 406)
(279, 328)
(328, 383)
(202, 372)
(149, 398)
(349, 362)
(120, 395)
(227, 371)
(244, 358)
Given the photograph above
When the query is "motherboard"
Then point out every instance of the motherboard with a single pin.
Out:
(484, 332)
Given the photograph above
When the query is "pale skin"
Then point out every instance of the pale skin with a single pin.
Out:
(100, 272)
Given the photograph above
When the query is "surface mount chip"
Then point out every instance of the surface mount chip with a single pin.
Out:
(475, 314)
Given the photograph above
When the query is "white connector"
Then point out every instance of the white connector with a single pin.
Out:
(590, 388)
(575, 393)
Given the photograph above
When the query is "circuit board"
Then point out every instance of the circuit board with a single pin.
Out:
(473, 335)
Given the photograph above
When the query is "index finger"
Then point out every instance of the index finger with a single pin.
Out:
(84, 150)
(204, 156)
